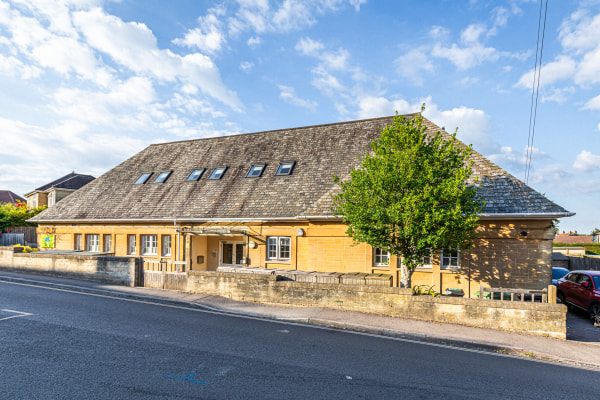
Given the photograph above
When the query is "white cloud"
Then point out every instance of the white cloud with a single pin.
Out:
(466, 57)
(209, 36)
(586, 161)
(563, 67)
(246, 66)
(253, 41)
(471, 34)
(309, 47)
(593, 104)
(559, 95)
(412, 65)
(288, 94)
(132, 45)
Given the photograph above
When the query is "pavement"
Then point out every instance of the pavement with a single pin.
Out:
(582, 347)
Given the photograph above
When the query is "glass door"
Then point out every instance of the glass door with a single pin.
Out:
(232, 253)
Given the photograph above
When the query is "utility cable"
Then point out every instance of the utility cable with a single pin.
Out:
(535, 91)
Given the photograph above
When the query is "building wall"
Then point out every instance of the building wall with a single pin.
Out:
(37, 199)
(506, 254)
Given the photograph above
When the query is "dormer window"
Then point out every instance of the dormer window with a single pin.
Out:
(255, 171)
(196, 174)
(143, 178)
(162, 176)
(217, 173)
(285, 168)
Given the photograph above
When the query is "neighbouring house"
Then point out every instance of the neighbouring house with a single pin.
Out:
(6, 196)
(573, 238)
(51, 193)
(264, 200)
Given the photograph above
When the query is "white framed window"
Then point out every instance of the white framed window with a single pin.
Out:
(166, 245)
(426, 262)
(51, 196)
(285, 168)
(450, 258)
(255, 171)
(142, 178)
(162, 176)
(77, 244)
(93, 242)
(108, 243)
(196, 174)
(217, 173)
(380, 258)
(149, 245)
(279, 247)
(131, 244)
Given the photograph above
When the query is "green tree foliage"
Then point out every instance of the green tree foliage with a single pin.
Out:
(410, 195)
(17, 214)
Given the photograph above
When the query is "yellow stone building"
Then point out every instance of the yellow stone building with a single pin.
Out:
(263, 200)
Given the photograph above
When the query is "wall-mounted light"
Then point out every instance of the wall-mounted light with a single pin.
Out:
(252, 244)
(300, 232)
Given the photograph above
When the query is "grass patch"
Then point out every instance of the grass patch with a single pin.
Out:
(590, 248)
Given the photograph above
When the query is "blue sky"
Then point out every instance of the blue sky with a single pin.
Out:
(88, 83)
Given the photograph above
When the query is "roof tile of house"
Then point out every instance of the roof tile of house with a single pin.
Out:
(319, 152)
(6, 196)
(72, 181)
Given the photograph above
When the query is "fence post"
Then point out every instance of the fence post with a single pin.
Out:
(480, 292)
(552, 294)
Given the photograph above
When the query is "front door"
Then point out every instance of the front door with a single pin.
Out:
(231, 253)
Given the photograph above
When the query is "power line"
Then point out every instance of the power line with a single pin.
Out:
(535, 91)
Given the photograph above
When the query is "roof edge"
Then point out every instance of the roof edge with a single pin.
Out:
(526, 216)
(187, 220)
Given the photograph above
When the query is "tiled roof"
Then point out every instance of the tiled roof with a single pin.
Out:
(6, 196)
(72, 181)
(568, 238)
(319, 152)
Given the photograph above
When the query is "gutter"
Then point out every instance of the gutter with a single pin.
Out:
(526, 216)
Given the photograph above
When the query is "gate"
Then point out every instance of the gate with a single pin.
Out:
(10, 239)
(164, 274)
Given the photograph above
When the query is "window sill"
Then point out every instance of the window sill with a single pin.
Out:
(450, 270)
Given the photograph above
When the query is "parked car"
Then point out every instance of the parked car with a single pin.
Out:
(557, 273)
(581, 289)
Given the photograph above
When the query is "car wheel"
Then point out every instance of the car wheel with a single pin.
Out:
(595, 311)
(561, 297)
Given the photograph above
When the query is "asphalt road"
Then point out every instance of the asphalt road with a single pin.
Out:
(58, 344)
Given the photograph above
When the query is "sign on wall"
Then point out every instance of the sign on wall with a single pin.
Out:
(48, 241)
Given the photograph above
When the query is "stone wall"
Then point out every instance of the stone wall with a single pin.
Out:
(117, 270)
(533, 318)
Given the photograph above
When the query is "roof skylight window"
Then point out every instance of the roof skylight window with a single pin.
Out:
(143, 178)
(255, 171)
(217, 173)
(162, 176)
(196, 174)
(285, 168)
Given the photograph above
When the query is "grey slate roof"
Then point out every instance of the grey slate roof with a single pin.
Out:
(71, 181)
(6, 196)
(319, 152)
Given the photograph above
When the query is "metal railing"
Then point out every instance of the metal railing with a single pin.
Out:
(531, 295)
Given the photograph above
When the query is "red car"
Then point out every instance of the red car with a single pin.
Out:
(581, 289)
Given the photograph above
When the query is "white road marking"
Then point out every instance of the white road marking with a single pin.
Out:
(19, 314)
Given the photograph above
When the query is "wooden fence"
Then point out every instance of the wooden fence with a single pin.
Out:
(10, 239)
(29, 233)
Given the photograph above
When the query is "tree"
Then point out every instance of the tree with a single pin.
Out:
(17, 214)
(411, 194)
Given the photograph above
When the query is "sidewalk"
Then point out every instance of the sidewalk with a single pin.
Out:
(585, 351)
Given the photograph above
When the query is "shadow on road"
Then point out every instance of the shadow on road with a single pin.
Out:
(581, 328)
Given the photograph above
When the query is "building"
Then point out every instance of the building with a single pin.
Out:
(6, 196)
(264, 200)
(51, 193)
(573, 238)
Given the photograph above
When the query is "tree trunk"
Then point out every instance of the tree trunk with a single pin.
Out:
(405, 275)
